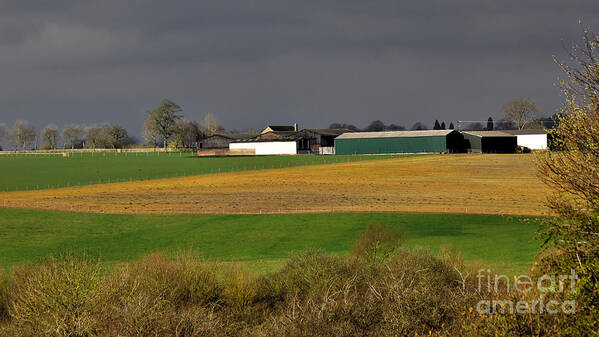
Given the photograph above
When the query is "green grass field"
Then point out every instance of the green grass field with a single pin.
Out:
(263, 241)
(27, 172)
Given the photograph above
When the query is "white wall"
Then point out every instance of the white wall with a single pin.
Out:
(326, 150)
(266, 148)
(533, 142)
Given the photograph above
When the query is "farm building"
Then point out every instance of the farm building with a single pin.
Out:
(273, 140)
(439, 141)
(489, 142)
(279, 128)
(222, 140)
(321, 141)
(277, 136)
(531, 139)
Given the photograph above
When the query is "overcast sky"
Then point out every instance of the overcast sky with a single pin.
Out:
(274, 61)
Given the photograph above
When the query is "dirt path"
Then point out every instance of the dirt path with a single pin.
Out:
(487, 184)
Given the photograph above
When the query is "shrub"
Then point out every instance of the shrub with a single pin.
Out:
(240, 287)
(319, 294)
(3, 295)
(419, 292)
(186, 279)
(147, 297)
(407, 292)
(55, 298)
(377, 242)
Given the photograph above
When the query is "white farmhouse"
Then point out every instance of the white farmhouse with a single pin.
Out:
(532, 139)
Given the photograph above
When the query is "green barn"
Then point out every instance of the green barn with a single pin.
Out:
(431, 141)
(490, 142)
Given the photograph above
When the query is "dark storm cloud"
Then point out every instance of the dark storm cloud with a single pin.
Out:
(252, 62)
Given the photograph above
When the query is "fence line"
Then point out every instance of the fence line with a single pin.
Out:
(97, 150)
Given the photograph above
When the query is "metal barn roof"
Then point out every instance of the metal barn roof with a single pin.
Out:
(487, 133)
(233, 135)
(328, 132)
(395, 134)
(526, 132)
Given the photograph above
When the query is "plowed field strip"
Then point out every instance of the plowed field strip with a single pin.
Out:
(483, 184)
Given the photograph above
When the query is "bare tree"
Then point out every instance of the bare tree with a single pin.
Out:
(187, 134)
(583, 82)
(344, 126)
(165, 117)
(211, 125)
(419, 126)
(50, 135)
(3, 133)
(93, 136)
(504, 124)
(150, 131)
(23, 134)
(376, 126)
(251, 132)
(115, 135)
(476, 126)
(572, 238)
(72, 134)
(395, 127)
(521, 111)
(16, 134)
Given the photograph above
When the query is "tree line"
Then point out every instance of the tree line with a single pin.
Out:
(23, 135)
(518, 114)
(164, 126)
(378, 126)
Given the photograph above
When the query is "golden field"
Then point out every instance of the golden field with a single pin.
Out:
(468, 183)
